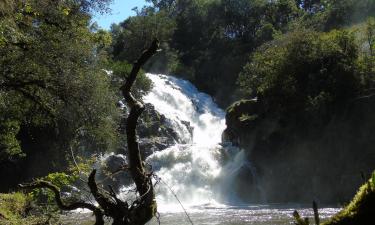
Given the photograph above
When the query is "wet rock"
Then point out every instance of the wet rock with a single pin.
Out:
(110, 171)
(114, 162)
(246, 186)
(156, 132)
(148, 146)
(188, 127)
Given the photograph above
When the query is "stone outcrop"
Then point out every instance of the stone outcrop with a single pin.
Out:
(298, 161)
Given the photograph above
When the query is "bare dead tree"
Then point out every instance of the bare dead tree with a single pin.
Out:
(144, 208)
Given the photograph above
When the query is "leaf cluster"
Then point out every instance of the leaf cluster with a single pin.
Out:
(53, 91)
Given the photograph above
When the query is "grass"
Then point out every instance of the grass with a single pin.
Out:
(15, 209)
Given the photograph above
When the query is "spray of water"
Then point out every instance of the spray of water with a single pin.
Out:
(195, 170)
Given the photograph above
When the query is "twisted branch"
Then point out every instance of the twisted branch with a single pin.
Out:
(63, 206)
(147, 207)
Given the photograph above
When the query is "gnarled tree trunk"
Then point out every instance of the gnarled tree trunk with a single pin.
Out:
(147, 204)
(144, 208)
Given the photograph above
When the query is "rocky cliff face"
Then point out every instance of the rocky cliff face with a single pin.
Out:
(299, 161)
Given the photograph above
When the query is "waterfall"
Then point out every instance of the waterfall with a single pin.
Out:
(193, 167)
(179, 100)
(189, 169)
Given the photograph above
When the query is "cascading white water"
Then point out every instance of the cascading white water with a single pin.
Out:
(192, 169)
(179, 100)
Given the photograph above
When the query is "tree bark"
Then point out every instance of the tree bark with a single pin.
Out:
(146, 207)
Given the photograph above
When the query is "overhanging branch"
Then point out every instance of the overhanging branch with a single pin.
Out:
(68, 207)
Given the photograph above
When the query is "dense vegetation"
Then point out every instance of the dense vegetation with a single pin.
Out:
(210, 41)
(306, 69)
(55, 91)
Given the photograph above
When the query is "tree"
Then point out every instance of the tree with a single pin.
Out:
(340, 13)
(144, 208)
(136, 33)
(53, 93)
(311, 6)
(303, 71)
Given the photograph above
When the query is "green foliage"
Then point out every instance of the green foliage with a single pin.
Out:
(135, 34)
(52, 79)
(13, 205)
(365, 39)
(370, 31)
(121, 70)
(46, 196)
(9, 145)
(59, 179)
(54, 93)
(15, 209)
(76, 173)
(208, 41)
(345, 12)
(303, 71)
(83, 167)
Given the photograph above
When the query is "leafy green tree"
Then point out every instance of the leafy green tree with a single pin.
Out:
(120, 70)
(310, 6)
(340, 13)
(136, 33)
(303, 71)
(366, 60)
(53, 91)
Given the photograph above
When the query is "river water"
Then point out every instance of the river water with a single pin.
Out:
(223, 215)
(241, 215)
(199, 171)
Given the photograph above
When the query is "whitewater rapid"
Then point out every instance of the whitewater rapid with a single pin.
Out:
(191, 170)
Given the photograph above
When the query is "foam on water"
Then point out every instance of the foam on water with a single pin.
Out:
(179, 101)
(192, 169)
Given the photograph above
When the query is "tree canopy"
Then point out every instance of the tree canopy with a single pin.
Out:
(209, 41)
(54, 92)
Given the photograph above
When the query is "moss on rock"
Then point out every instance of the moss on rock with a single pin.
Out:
(360, 211)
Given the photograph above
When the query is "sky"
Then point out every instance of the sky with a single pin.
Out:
(121, 9)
